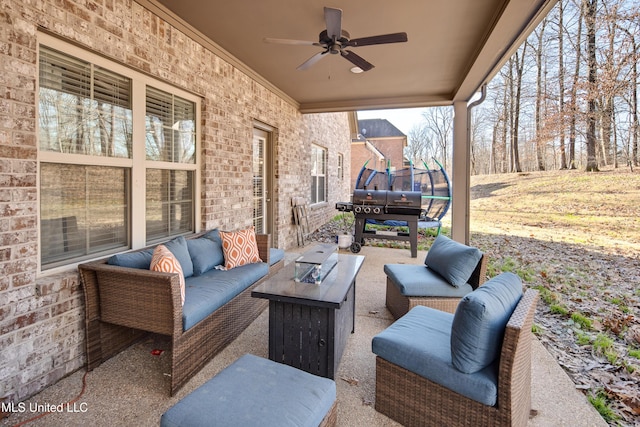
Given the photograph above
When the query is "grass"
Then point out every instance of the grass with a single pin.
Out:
(583, 338)
(559, 309)
(575, 237)
(600, 401)
(603, 345)
(581, 320)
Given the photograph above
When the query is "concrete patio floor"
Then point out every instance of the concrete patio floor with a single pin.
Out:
(131, 389)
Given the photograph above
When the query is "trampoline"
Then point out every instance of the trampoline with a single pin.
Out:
(433, 183)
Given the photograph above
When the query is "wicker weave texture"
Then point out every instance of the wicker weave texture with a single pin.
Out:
(331, 418)
(413, 400)
(122, 304)
(399, 304)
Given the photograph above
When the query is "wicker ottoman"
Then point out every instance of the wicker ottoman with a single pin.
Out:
(254, 391)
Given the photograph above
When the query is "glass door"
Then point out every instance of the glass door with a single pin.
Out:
(260, 181)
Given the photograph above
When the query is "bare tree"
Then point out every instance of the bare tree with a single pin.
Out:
(418, 143)
(540, 140)
(579, 106)
(592, 68)
(517, 65)
(438, 121)
(561, 130)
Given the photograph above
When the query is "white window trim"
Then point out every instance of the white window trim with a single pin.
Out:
(138, 163)
(325, 152)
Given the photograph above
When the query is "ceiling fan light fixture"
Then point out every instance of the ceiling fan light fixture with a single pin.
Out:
(356, 70)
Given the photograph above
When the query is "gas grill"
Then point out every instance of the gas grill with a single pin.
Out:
(384, 205)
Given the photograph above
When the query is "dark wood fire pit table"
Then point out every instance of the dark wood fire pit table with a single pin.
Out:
(309, 324)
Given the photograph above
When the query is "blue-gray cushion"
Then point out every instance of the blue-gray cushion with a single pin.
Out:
(214, 235)
(137, 259)
(179, 249)
(454, 261)
(419, 281)
(254, 391)
(205, 254)
(420, 342)
(480, 321)
(275, 255)
(206, 293)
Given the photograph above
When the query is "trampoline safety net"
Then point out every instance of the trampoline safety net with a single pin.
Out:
(432, 183)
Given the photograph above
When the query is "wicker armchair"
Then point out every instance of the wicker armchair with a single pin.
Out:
(413, 400)
(399, 304)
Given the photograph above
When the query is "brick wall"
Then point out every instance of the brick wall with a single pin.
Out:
(391, 148)
(42, 315)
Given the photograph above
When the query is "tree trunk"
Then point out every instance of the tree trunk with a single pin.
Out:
(574, 92)
(539, 99)
(561, 113)
(519, 60)
(505, 129)
(590, 21)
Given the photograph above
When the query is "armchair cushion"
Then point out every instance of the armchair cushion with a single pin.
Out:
(480, 320)
(454, 261)
(418, 280)
(420, 342)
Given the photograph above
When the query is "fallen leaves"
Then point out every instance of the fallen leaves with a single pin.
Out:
(586, 258)
(350, 380)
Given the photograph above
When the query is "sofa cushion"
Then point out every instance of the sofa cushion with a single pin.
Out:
(480, 321)
(205, 254)
(420, 342)
(275, 255)
(178, 247)
(215, 236)
(452, 260)
(419, 281)
(240, 247)
(163, 260)
(136, 259)
(255, 391)
(213, 289)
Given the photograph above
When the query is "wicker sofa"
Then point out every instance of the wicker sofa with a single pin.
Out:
(469, 369)
(125, 300)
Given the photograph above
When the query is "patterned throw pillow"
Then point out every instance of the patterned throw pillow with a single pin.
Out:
(163, 260)
(239, 247)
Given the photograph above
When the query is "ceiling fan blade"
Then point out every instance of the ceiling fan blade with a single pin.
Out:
(333, 19)
(382, 39)
(356, 60)
(309, 62)
(289, 41)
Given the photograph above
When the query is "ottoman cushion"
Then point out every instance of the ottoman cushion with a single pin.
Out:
(254, 391)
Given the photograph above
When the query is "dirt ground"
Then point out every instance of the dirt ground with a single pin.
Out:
(576, 237)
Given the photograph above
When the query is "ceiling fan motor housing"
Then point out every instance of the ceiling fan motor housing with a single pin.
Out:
(333, 47)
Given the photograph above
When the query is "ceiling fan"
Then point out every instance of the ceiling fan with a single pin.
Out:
(335, 40)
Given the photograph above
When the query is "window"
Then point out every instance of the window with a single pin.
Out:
(92, 131)
(170, 138)
(83, 108)
(318, 174)
(340, 167)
